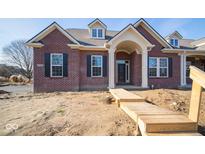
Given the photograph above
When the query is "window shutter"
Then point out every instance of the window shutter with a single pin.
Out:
(88, 65)
(170, 67)
(104, 66)
(65, 65)
(47, 64)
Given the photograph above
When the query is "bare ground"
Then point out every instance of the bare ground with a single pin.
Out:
(81, 113)
(65, 113)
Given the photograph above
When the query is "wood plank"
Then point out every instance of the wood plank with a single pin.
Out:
(131, 113)
(134, 110)
(173, 134)
(143, 108)
(125, 96)
(166, 123)
(194, 108)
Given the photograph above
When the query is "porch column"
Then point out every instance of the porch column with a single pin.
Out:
(111, 68)
(183, 69)
(144, 69)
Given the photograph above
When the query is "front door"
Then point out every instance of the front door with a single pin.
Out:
(123, 71)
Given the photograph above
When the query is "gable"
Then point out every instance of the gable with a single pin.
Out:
(55, 37)
(152, 32)
(129, 33)
(149, 37)
(175, 35)
(97, 23)
(48, 30)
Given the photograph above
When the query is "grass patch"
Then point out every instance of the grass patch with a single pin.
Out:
(60, 111)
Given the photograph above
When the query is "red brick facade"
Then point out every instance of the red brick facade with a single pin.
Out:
(170, 82)
(77, 78)
(91, 83)
(56, 42)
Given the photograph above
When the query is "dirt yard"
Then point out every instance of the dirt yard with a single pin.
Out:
(80, 113)
(65, 113)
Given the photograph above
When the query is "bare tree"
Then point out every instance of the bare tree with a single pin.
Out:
(19, 54)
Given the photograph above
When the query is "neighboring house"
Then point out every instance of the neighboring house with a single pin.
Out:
(97, 58)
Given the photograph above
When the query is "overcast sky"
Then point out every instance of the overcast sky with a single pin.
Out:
(14, 29)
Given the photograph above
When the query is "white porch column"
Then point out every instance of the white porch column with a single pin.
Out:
(144, 69)
(111, 68)
(183, 69)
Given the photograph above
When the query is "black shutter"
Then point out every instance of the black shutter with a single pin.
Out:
(47, 64)
(65, 65)
(88, 65)
(104, 66)
(170, 67)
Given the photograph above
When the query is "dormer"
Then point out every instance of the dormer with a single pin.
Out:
(97, 29)
(174, 38)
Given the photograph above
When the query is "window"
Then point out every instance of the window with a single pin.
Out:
(94, 33)
(153, 67)
(96, 65)
(56, 65)
(100, 33)
(158, 67)
(97, 33)
(175, 42)
(163, 64)
(188, 63)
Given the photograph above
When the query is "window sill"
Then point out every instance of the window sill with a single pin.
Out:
(159, 77)
(97, 77)
(98, 38)
(56, 77)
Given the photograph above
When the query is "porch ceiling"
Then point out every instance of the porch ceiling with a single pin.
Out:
(128, 46)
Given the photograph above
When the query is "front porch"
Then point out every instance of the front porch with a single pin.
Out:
(128, 63)
(128, 59)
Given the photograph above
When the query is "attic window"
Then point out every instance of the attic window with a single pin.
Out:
(174, 42)
(97, 33)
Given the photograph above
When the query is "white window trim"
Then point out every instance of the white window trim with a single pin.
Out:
(97, 37)
(96, 66)
(51, 68)
(158, 67)
(174, 39)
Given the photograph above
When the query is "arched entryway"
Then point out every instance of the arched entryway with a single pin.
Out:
(130, 41)
(128, 64)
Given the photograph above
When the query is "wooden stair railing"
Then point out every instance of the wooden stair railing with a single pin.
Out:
(198, 77)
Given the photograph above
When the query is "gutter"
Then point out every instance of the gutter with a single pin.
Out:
(82, 47)
(181, 51)
(35, 45)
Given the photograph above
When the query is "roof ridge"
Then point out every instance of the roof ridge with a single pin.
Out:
(87, 29)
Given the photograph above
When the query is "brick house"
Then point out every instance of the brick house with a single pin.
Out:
(98, 58)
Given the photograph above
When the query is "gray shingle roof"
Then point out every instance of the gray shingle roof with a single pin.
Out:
(83, 37)
(186, 43)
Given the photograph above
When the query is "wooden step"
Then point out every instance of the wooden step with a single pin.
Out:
(134, 110)
(125, 96)
(172, 134)
(166, 123)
